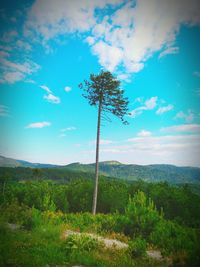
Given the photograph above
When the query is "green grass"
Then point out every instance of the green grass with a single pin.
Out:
(40, 240)
(31, 248)
(44, 246)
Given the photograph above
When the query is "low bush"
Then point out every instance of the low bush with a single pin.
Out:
(81, 242)
(171, 237)
(137, 248)
(16, 214)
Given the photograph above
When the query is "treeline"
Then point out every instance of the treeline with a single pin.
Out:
(176, 203)
(152, 173)
(28, 174)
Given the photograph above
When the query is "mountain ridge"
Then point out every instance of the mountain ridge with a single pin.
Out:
(129, 172)
(10, 162)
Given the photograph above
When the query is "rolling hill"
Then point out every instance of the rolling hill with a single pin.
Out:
(9, 162)
(150, 173)
(130, 172)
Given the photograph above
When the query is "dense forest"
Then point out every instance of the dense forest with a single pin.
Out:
(144, 215)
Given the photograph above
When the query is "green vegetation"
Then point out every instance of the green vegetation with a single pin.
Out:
(35, 215)
(149, 173)
(177, 203)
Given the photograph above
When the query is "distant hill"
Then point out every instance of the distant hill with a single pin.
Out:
(130, 172)
(8, 162)
(150, 173)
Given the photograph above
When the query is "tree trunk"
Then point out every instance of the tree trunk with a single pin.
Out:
(94, 206)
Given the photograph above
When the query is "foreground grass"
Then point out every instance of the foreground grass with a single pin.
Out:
(40, 240)
(43, 246)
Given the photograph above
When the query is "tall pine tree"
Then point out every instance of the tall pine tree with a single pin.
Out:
(103, 91)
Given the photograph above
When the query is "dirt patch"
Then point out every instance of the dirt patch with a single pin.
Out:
(108, 243)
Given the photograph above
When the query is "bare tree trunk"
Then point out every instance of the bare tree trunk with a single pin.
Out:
(94, 206)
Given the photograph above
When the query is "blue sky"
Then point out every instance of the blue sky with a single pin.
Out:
(48, 47)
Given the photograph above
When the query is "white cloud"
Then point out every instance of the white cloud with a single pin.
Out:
(149, 104)
(67, 89)
(136, 112)
(12, 77)
(127, 37)
(109, 56)
(188, 117)
(164, 109)
(166, 141)
(139, 99)
(167, 149)
(38, 124)
(182, 128)
(13, 72)
(105, 142)
(124, 77)
(24, 45)
(71, 128)
(90, 40)
(62, 135)
(169, 51)
(63, 16)
(146, 27)
(111, 150)
(77, 145)
(102, 142)
(4, 111)
(27, 67)
(164, 138)
(30, 81)
(144, 133)
(171, 149)
(52, 98)
(45, 88)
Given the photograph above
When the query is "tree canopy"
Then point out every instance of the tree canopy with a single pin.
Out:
(104, 88)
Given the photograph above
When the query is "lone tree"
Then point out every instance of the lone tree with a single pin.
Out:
(104, 91)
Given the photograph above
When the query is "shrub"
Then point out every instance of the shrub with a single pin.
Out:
(55, 218)
(107, 222)
(172, 237)
(36, 219)
(137, 248)
(16, 214)
(142, 215)
(81, 242)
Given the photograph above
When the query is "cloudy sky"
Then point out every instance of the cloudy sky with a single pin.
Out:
(48, 47)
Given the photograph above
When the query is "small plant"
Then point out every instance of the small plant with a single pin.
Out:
(137, 248)
(36, 217)
(81, 242)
